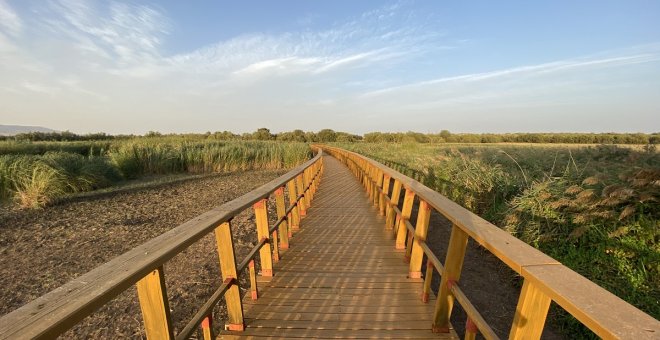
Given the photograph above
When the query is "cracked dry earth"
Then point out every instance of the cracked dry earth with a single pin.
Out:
(41, 250)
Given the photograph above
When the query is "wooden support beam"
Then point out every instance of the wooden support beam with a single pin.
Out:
(276, 248)
(383, 203)
(154, 305)
(379, 185)
(428, 277)
(261, 216)
(390, 216)
(401, 233)
(307, 180)
(409, 244)
(300, 189)
(471, 330)
(254, 290)
(531, 312)
(225, 245)
(295, 213)
(421, 230)
(452, 273)
(207, 328)
(281, 211)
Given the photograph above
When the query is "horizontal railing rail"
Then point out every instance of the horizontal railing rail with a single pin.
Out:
(545, 279)
(56, 312)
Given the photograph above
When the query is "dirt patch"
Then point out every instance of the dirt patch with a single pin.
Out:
(41, 250)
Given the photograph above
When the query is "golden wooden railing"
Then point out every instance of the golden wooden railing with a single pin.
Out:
(54, 313)
(545, 279)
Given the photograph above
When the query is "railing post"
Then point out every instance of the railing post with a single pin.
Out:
(307, 179)
(452, 273)
(295, 216)
(421, 229)
(254, 290)
(281, 211)
(385, 190)
(402, 231)
(207, 328)
(154, 305)
(394, 199)
(377, 192)
(300, 189)
(409, 245)
(261, 215)
(471, 330)
(531, 313)
(276, 247)
(370, 180)
(225, 245)
(428, 277)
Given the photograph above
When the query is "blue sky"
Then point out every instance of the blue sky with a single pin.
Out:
(357, 66)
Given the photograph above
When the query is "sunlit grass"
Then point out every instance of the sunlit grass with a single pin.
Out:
(34, 180)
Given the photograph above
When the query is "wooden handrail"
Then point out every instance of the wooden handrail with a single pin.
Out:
(54, 313)
(545, 278)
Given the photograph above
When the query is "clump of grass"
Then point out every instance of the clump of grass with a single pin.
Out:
(36, 180)
(140, 157)
(84, 148)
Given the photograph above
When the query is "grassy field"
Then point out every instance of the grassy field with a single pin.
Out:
(34, 174)
(594, 208)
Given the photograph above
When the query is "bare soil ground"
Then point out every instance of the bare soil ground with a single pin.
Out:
(42, 249)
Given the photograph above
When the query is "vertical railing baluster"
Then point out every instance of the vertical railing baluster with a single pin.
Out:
(281, 211)
(452, 273)
(152, 295)
(531, 312)
(428, 277)
(408, 201)
(261, 216)
(300, 189)
(471, 329)
(385, 191)
(421, 230)
(225, 245)
(295, 212)
(390, 216)
(379, 185)
(207, 328)
(254, 289)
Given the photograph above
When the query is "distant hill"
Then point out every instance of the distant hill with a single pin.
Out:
(10, 130)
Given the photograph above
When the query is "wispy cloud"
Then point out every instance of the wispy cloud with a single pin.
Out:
(526, 71)
(9, 20)
(120, 34)
(107, 63)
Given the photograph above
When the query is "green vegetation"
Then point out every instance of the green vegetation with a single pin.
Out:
(39, 175)
(595, 209)
(331, 136)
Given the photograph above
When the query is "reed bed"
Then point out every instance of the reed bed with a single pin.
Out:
(36, 178)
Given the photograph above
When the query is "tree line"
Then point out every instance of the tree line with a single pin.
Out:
(330, 136)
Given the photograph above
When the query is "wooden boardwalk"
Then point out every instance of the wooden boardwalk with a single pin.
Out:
(342, 277)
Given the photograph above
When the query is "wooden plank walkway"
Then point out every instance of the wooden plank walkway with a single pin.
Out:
(342, 277)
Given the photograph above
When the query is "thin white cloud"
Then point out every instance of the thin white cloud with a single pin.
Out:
(102, 64)
(120, 33)
(526, 71)
(10, 22)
